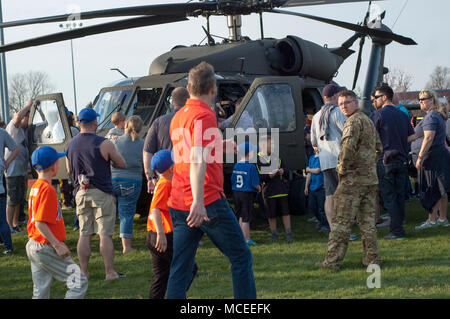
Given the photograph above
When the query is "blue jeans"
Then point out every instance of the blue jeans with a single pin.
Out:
(316, 203)
(127, 193)
(393, 179)
(5, 230)
(224, 231)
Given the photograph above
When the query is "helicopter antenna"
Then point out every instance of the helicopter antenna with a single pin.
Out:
(401, 11)
(261, 25)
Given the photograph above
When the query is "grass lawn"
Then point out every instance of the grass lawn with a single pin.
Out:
(418, 267)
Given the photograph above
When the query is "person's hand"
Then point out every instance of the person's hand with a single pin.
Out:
(161, 242)
(197, 215)
(29, 103)
(306, 191)
(6, 166)
(419, 164)
(151, 186)
(61, 250)
(339, 178)
(281, 171)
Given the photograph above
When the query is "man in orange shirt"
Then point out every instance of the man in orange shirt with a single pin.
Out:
(159, 225)
(197, 203)
(46, 250)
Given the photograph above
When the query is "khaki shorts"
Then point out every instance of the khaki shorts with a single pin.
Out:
(96, 211)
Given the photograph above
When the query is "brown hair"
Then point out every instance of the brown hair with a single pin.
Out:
(134, 126)
(347, 93)
(179, 97)
(201, 79)
(117, 117)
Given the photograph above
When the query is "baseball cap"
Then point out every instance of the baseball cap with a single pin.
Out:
(331, 89)
(87, 115)
(245, 148)
(45, 156)
(162, 161)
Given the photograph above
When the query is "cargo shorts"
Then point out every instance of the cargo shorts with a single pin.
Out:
(96, 211)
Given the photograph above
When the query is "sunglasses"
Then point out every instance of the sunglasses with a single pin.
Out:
(424, 99)
(376, 97)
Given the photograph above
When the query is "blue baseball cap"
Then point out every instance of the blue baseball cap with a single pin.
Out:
(246, 147)
(87, 115)
(162, 161)
(45, 156)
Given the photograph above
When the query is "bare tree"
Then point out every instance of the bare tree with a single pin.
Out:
(439, 79)
(399, 80)
(23, 86)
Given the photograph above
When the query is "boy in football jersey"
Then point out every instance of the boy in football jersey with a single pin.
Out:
(46, 250)
(245, 185)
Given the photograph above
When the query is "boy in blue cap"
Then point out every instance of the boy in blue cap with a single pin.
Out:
(46, 250)
(159, 225)
(245, 184)
(314, 189)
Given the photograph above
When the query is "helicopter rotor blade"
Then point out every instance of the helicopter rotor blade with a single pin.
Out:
(354, 27)
(91, 30)
(358, 61)
(299, 3)
(170, 9)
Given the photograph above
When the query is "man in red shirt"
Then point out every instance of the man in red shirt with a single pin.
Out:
(197, 203)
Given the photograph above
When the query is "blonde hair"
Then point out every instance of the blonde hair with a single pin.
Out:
(117, 117)
(436, 106)
(134, 126)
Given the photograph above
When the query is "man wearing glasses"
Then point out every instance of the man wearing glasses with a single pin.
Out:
(356, 194)
(395, 132)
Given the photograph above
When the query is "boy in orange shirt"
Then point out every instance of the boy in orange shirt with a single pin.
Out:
(159, 225)
(49, 256)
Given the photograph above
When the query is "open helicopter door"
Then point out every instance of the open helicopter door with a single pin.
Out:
(48, 125)
(273, 105)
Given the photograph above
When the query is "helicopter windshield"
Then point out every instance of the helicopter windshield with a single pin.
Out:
(108, 103)
(271, 106)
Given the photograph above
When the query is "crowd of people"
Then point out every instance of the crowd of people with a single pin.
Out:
(356, 165)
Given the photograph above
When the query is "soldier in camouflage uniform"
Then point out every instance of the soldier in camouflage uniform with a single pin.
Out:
(357, 192)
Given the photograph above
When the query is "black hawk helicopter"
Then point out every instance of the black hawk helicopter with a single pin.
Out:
(279, 80)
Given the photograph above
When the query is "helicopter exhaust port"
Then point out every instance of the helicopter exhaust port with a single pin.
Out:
(295, 56)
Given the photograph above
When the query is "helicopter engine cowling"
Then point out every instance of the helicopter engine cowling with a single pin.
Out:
(295, 56)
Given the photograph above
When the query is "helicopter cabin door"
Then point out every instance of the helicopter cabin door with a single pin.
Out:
(274, 104)
(48, 125)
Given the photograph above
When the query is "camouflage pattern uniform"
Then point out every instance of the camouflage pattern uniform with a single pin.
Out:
(357, 192)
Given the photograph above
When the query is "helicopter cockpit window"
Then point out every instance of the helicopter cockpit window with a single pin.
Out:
(47, 124)
(271, 106)
(108, 103)
(145, 101)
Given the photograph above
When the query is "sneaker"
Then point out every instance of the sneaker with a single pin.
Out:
(289, 238)
(8, 252)
(250, 242)
(274, 238)
(353, 237)
(385, 216)
(325, 265)
(427, 224)
(312, 220)
(385, 223)
(444, 222)
(324, 229)
(395, 237)
(15, 230)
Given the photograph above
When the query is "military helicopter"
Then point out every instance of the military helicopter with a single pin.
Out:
(279, 80)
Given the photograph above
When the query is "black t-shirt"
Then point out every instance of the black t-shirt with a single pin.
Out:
(394, 127)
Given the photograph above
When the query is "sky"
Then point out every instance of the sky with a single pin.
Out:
(132, 51)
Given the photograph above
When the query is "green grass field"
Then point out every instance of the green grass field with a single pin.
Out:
(418, 267)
